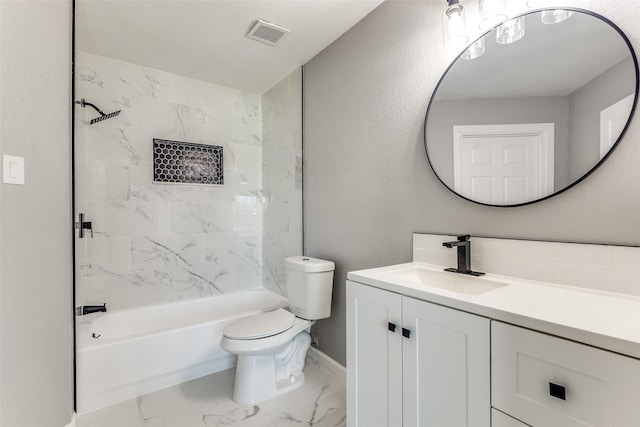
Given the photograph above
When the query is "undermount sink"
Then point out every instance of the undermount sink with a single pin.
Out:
(454, 282)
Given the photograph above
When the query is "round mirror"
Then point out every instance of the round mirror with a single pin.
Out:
(532, 107)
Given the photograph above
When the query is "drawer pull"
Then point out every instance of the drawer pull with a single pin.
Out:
(406, 333)
(557, 391)
(392, 327)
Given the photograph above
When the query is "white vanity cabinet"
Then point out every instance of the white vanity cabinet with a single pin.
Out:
(546, 381)
(413, 363)
(498, 419)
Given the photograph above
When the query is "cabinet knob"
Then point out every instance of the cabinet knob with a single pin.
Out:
(406, 333)
(557, 391)
(392, 327)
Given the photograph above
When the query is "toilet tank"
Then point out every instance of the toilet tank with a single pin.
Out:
(309, 286)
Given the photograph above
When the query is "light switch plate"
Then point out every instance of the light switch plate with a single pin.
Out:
(12, 170)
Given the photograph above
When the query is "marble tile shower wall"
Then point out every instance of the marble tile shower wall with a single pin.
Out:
(282, 178)
(152, 242)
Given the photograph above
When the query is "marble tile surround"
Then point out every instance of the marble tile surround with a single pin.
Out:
(598, 267)
(157, 243)
(206, 402)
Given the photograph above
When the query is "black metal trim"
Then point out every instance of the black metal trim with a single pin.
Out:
(73, 204)
(302, 156)
(590, 171)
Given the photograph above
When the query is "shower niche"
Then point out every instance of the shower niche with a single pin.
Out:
(177, 162)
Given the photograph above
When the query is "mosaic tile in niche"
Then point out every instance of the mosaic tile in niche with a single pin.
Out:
(187, 163)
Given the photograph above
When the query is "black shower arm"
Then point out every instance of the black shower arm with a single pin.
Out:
(84, 103)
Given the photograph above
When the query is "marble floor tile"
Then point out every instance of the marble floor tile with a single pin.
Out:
(325, 408)
(207, 402)
(123, 414)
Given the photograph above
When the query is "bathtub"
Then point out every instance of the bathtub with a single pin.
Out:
(126, 353)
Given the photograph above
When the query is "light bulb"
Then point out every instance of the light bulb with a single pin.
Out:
(510, 31)
(492, 13)
(454, 26)
(476, 50)
(555, 16)
(536, 4)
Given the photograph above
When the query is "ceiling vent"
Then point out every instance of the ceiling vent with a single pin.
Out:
(267, 33)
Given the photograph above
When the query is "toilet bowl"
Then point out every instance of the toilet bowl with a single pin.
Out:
(272, 346)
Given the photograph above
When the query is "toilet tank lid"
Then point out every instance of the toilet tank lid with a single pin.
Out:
(308, 264)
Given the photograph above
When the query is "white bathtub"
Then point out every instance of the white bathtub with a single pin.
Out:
(144, 349)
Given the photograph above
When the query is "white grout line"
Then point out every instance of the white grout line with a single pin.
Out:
(328, 363)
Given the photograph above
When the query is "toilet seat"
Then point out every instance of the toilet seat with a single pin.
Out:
(260, 325)
(265, 345)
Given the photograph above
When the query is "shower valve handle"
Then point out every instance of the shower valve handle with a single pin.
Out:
(83, 225)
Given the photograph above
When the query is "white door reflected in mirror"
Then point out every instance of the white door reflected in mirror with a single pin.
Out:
(504, 164)
(612, 122)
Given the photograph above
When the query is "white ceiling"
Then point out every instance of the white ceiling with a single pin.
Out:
(205, 39)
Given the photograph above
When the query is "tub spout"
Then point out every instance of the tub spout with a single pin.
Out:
(88, 309)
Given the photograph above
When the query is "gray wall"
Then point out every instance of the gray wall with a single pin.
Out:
(35, 228)
(586, 104)
(543, 109)
(367, 184)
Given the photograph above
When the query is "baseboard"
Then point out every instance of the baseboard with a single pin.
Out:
(327, 362)
(72, 423)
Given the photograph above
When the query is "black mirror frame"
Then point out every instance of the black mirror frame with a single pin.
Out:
(590, 171)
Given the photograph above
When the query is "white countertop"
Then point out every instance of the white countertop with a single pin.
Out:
(605, 320)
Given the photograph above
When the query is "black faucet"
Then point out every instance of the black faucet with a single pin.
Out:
(464, 255)
(88, 309)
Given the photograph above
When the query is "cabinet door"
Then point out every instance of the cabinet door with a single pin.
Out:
(498, 419)
(374, 357)
(446, 367)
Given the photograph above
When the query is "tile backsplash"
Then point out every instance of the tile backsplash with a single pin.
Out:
(161, 242)
(598, 267)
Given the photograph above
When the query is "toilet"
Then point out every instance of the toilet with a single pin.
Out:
(272, 346)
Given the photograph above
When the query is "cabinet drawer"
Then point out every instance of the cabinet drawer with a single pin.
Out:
(498, 419)
(550, 382)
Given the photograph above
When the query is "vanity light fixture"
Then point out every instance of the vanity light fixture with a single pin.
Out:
(510, 31)
(492, 13)
(475, 50)
(555, 16)
(453, 25)
(537, 4)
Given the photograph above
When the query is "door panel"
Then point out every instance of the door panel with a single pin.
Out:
(446, 367)
(374, 357)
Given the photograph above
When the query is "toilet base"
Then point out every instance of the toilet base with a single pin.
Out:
(263, 377)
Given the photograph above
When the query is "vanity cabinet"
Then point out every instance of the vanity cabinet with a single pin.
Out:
(413, 363)
(498, 419)
(546, 381)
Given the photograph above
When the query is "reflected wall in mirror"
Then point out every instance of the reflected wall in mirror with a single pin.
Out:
(529, 119)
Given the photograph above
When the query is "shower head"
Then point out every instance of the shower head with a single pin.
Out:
(102, 117)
